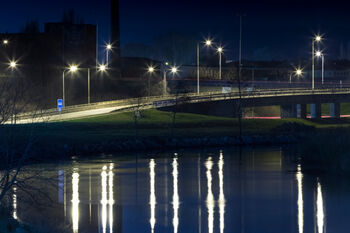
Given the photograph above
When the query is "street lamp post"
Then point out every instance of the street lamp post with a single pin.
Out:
(166, 64)
(150, 71)
(220, 51)
(174, 70)
(73, 69)
(197, 68)
(317, 38)
(89, 99)
(320, 54)
(208, 43)
(108, 49)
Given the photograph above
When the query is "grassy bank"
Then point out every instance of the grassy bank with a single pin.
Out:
(154, 123)
(154, 129)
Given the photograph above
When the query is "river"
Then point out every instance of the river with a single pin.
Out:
(253, 190)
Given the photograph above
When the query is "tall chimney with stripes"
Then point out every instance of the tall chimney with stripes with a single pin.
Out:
(115, 39)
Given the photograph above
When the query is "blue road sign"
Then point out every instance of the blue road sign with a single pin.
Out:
(59, 104)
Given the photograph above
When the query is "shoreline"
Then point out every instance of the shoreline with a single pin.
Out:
(146, 144)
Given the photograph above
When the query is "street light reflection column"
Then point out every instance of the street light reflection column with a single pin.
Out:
(75, 201)
(221, 200)
(300, 203)
(320, 209)
(176, 199)
(210, 198)
(152, 198)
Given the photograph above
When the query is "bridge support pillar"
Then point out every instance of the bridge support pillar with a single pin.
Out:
(315, 111)
(334, 110)
(301, 111)
(288, 111)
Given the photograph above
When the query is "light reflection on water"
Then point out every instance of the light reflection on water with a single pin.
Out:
(320, 209)
(210, 198)
(106, 197)
(14, 203)
(75, 201)
(152, 197)
(176, 200)
(221, 200)
(299, 176)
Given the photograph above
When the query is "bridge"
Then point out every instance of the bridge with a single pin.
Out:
(293, 103)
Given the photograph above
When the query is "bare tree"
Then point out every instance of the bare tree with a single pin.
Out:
(180, 101)
(15, 141)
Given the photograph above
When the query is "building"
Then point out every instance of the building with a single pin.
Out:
(42, 57)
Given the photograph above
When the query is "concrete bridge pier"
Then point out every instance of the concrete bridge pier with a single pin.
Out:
(301, 111)
(334, 110)
(288, 111)
(315, 111)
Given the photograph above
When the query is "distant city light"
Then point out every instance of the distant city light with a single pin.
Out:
(5, 42)
(166, 63)
(73, 68)
(151, 69)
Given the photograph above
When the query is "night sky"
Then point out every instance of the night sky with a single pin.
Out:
(272, 30)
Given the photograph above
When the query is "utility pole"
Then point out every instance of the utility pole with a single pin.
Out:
(240, 76)
(197, 68)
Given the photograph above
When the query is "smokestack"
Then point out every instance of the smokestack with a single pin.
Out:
(115, 38)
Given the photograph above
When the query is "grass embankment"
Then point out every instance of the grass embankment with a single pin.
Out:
(154, 123)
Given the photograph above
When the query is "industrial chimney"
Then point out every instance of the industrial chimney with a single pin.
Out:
(115, 38)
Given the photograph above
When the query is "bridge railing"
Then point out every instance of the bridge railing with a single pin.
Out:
(191, 97)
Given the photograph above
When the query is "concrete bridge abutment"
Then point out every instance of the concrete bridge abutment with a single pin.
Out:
(315, 111)
(288, 111)
(334, 110)
(301, 111)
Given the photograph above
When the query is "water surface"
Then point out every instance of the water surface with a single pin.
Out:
(251, 191)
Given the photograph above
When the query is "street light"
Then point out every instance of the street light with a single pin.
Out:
(317, 39)
(207, 43)
(174, 70)
(150, 71)
(220, 50)
(321, 55)
(102, 68)
(298, 72)
(13, 64)
(5, 42)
